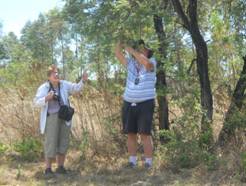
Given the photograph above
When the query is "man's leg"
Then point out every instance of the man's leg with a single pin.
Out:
(132, 147)
(148, 145)
(132, 144)
(130, 128)
(145, 126)
(148, 148)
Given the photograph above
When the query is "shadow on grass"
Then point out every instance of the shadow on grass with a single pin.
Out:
(89, 174)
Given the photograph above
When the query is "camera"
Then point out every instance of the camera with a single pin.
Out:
(56, 96)
(139, 44)
(132, 43)
(135, 44)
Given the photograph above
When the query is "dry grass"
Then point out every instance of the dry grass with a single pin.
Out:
(97, 171)
(101, 161)
(95, 113)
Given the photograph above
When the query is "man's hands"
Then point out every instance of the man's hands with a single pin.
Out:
(140, 57)
(119, 45)
(49, 96)
(130, 50)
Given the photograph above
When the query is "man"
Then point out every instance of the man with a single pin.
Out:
(139, 96)
(50, 96)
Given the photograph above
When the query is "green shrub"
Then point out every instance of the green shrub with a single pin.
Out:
(180, 152)
(29, 148)
(210, 160)
(3, 148)
(187, 153)
(237, 120)
(206, 139)
(243, 160)
(84, 144)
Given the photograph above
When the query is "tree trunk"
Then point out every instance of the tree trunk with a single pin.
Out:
(190, 22)
(161, 76)
(63, 56)
(236, 104)
(202, 64)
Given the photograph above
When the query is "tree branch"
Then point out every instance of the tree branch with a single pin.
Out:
(192, 11)
(177, 6)
(191, 65)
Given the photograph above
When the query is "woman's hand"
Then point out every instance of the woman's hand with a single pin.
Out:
(49, 96)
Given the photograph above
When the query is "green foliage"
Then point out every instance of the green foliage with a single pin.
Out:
(84, 144)
(187, 146)
(3, 52)
(110, 123)
(205, 139)
(210, 160)
(182, 153)
(243, 161)
(116, 88)
(236, 121)
(29, 148)
(3, 148)
(238, 22)
(187, 153)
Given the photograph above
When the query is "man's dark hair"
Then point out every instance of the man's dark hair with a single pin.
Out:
(141, 42)
(150, 51)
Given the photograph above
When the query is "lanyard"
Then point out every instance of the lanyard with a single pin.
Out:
(138, 68)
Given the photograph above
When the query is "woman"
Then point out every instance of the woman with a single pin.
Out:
(50, 96)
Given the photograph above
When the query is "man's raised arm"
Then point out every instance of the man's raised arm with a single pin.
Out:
(140, 58)
(118, 53)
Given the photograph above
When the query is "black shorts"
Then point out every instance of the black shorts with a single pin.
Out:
(137, 118)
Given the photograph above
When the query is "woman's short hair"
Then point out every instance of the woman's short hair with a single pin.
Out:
(52, 68)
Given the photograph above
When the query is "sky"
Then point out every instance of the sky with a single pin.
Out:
(15, 13)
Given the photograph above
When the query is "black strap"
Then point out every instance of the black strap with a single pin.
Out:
(59, 91)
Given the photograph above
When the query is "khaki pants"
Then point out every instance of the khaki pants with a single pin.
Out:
(56, 136)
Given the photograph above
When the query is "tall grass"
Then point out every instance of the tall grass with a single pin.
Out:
(95, 124)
